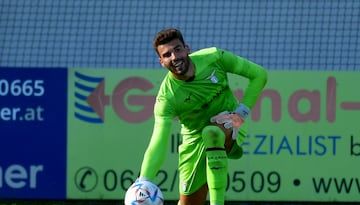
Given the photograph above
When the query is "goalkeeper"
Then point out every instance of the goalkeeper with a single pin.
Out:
(196, 92)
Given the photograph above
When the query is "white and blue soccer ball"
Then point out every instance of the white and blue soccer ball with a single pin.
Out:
(144, 193)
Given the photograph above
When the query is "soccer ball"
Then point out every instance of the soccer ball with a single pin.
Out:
(144, 193)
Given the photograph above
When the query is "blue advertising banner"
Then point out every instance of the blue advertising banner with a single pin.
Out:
(33, 132)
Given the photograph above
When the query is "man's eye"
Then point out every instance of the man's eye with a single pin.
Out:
(178, 49)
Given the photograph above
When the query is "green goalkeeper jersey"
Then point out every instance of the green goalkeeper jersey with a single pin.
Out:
(195, 102)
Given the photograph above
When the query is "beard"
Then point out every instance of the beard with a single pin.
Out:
(180, 67)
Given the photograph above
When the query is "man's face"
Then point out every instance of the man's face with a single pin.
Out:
(174, 57)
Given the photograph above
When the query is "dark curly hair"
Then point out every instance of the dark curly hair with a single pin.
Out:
(165, 36)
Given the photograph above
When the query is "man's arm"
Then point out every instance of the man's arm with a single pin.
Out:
(255, 73)
(156, 151)
(257, 77)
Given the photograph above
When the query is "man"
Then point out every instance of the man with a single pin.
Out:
(196, 91)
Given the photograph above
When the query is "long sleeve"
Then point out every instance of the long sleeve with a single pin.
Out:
(255, 73)
(155, 154)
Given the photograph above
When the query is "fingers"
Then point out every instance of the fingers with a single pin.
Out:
(217, 117)
(223, 119)
(234, 133)
(229, 121)
(228, 124)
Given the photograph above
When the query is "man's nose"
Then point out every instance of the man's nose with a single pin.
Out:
(173, 56)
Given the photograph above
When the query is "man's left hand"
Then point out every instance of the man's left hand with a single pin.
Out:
(229, 120)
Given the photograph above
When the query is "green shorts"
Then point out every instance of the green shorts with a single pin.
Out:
(192, 164)
(192, 161)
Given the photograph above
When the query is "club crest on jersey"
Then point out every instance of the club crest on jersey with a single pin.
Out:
(184, 186)
(213, 77)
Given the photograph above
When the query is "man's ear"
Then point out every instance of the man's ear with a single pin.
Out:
(187, 47)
